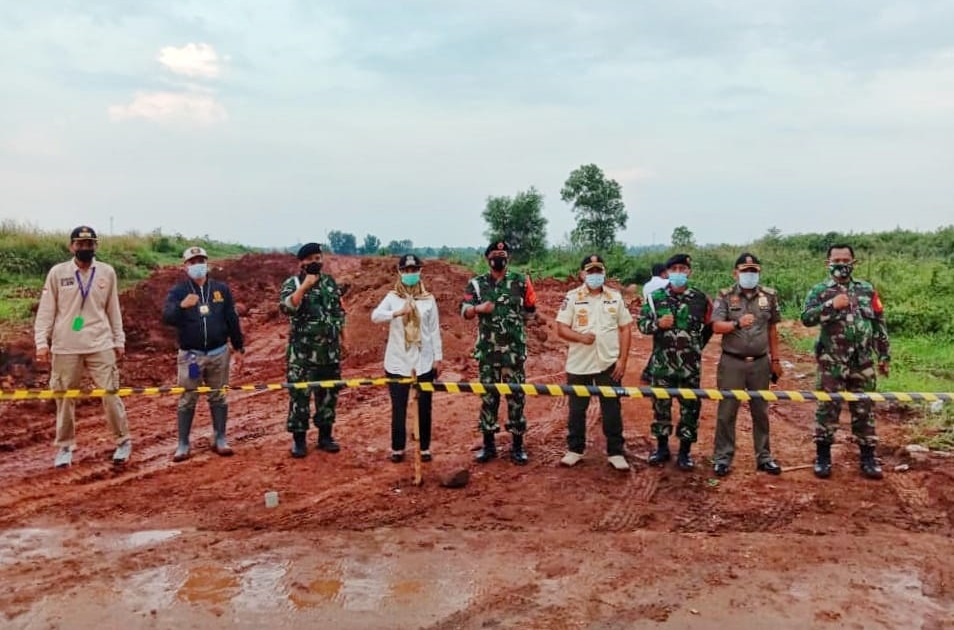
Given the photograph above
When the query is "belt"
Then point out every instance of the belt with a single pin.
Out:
(214, 352)
(746, 358)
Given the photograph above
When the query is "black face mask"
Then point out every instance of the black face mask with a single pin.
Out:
(85, 255)
(498, 264)
(312, 268)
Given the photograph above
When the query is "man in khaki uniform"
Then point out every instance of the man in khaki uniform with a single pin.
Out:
(746, 316)
(599, 326)
(79, 323)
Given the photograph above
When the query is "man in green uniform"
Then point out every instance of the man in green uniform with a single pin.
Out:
(853, 329)
(313, 302)
(746, 316)
(677, 316)
(503, 301)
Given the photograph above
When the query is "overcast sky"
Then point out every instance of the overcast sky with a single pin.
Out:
(271, 123)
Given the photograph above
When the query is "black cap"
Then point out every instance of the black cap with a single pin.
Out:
(679, 259)
(308, 249)
(83, 233)
(593, 260)
(497, 246)
(747, 261)
(409, 260)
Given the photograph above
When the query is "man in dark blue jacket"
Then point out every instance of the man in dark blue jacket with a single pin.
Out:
(203, 312)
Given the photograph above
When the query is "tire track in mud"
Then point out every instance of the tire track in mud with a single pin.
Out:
(915, 502)
(490, 606)
(718, 515)
(630, 512)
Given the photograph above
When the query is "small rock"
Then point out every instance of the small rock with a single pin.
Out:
(916, 448)
(936, 406)
(456, 478)
(902, 468)
(694, 611)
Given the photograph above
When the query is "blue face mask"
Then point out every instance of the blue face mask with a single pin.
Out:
(748, 279)
(198, 271)
(595, 280)
(678, 280)
(410, 279)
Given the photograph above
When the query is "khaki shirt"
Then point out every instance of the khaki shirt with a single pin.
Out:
(732, 304)
(61, 303)
(602, 314)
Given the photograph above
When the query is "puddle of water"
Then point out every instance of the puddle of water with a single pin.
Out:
(17, 545)
(407, 588)
(150, 537)
(208, 585)
(262, 587)
(154, 589)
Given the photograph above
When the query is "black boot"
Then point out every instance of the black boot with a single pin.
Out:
(300, 444)
(822, 460)
(184, 426)
(661, 455)
(220, 416)
(517, 455)
(684, 459)
(869, 465)
(489, 451)
(325, 441)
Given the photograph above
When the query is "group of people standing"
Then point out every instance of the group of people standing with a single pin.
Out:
(79, 323)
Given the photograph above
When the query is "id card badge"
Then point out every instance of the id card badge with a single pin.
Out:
(203, 309)
(78, 323)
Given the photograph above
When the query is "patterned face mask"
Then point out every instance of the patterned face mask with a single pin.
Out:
(840, 271)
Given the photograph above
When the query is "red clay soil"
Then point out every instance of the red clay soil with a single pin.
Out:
(354, 544)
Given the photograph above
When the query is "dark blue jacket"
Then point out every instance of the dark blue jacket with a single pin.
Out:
(204, 332)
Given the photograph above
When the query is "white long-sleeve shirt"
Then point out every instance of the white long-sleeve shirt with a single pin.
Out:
(397, 358)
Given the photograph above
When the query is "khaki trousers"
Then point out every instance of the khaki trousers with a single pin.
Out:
(734, 373)
(66, 373)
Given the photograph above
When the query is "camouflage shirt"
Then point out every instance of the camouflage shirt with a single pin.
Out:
(501, 334)
(317, 323)
(677, 351)
(851, 334)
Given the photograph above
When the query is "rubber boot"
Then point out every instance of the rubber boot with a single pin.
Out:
(517, 455)
(684, 459)
(661, 455)
(184, 426)
(299, 444)
(869, 465)
(489, 451)
(325, 441)
(220, 416)
(822, 460)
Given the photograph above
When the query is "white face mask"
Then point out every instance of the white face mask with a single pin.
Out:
(197, 271)
(595, 280)
(748, 279)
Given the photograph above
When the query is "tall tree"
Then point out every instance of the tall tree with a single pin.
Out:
(518, 220)
(342, 242)
(683, 238)
(371, 245)
(597, 205)
(400, 247)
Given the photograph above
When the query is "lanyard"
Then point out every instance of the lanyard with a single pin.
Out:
(84, 291)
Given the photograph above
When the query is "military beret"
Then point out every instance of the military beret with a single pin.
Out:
(679, 259)
(497, 246)
(308, 249)
(747, 261)
(593, 260)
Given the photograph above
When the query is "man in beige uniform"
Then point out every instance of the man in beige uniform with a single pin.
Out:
(79, 322)
(599, 327)
(746, 316)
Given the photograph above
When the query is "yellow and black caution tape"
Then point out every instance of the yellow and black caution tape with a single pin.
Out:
(532, 389)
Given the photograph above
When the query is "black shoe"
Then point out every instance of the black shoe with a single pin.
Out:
(426, 456)
(721, 469)
(661, 455)
(822, 460)
(869, 465)
(397, 456)
(770, 466)
(489, 451)
(327, 443)
(517, 455)
(684, 459)
(299, 444)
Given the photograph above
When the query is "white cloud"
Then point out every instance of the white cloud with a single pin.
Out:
(631, 174)
(191, 60)
(171, 106)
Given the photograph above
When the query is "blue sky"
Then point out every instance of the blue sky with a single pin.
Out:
(273, 123)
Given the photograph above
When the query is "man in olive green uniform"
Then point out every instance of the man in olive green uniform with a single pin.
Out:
(853, 330)
(503, 301)
(313, 302)
(746, 316)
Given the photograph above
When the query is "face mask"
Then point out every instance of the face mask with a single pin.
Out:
(498, 264)
(313, 268)
(840, 270)
(678, 280)
(595, 280)
(748, 279)
(198, 271)
(410, 279)
(85, 255)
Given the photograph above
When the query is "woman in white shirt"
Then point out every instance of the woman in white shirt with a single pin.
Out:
(414, 346)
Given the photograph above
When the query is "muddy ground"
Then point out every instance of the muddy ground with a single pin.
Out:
(354, 544)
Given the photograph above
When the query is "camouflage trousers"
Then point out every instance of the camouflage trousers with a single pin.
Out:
(836, 376)
(490, 402)
(299, 404)
(688, 428)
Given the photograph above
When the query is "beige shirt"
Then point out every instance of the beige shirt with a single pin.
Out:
(61, 303)
(602, 314)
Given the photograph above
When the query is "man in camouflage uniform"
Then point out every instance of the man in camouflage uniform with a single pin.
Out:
(746, 315)
(852, 323)
(503, 301)
(677, 316)
(313, 302)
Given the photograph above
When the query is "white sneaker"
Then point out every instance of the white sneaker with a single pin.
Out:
(121, 456)
(618, 462)
(64, 458)
(571, 458)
